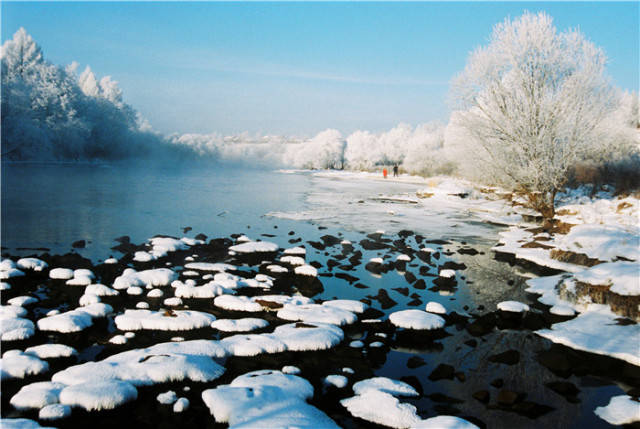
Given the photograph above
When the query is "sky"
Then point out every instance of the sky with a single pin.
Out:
(297, 68)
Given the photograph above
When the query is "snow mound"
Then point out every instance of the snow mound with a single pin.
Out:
(293, 260)
(10, 273)
(254, 247)
(513, 306)
(70, 321)
(54, 412)
(265, 399)
(16, 328)
(416, 319)
(158, 277)
(239, 325)
(99, 395)
(435, 307)
(178, 320)
(100, 290)
(347, 304)
(16, 364)
(381, 408)
(309, 336)
(384, 384)
(209, 290)
(253, 345)
(317, 313)
(37, 395)
(621, 410)
(34, 264)
(19, 424)
(167, 398)
(208, 266)
(603, 242)
(21, 301)
(447, 274)
(51, 351)
(338, 381)
(444, 422)
(306, 270)
(12, 311)
(237, 303)
(61, 274)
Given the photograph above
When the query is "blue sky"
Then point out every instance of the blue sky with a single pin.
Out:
(296, 68)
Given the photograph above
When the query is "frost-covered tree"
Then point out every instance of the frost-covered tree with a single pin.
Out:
(325, 150)
(48, 112)
(531, 102)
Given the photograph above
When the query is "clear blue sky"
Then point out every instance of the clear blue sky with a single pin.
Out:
(296, 68)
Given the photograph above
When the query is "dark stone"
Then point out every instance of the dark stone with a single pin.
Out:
(442, 371)
(468, 251)
(535, 321)
(384, 299)
(415, 362)
(405, 233)
(471, 343)
(371, 313)
(413, 381)
(410, 277)
(497, 383)
(415, 302)
(402, 290)
(201, 236)
(80, 244)
(347, 277)
(420, 284)
(482, 396)
(374, 267)
(531, 409)
(507, 398)
(186, 229)
(451, 265)
(460, 376)
(482, 325)
(330, 240)
(437, 241)
(373, 245)
(316, 245)
(556, 361)
(510, 357)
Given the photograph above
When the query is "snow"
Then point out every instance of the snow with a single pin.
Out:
(61, 273)
(603, 242)
(37, 395)
(4, 285)
(167, 398)
(158, 277)
(237, 303)
(239, 325)
(178, 320)
(99, 395)
(339, 381)
(182, 404)
(306, 270)
(381, 408)
(254, 247)
(310, 337)
(621, 410)
(444, 422)
(142, 305)
(295, 251)
(21, 301)
(100, 290)
(110, 261)
(562, 310)
(622, 276)
(34, 264)
(376, 261)
(70, 321)
(290, 369)
(12, 311)
(284, 299)
(19, 424)
(207, 266)
(118, 339)
(172, 302)
(293, 260)
(384, 384)
(435, 307)
(416, 319)
(16, 364)
(265, 399)
(596, 331)
(88, 299)
(317, 313)
(162, 363)
(513, 306)
(155, 293)
(403, 258)
(253, 345)
(277, 269)
(447, 274)
(10, 273)
(54, 412)
(209, 290)
(7, 264)
(142, 256)
(49, 351)
(357, 344)
(347, 304)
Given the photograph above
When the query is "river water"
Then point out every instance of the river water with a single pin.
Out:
(50, 206)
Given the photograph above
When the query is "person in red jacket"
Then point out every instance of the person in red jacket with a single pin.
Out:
(384, 172)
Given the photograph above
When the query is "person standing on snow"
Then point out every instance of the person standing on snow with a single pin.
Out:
(395, 170)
